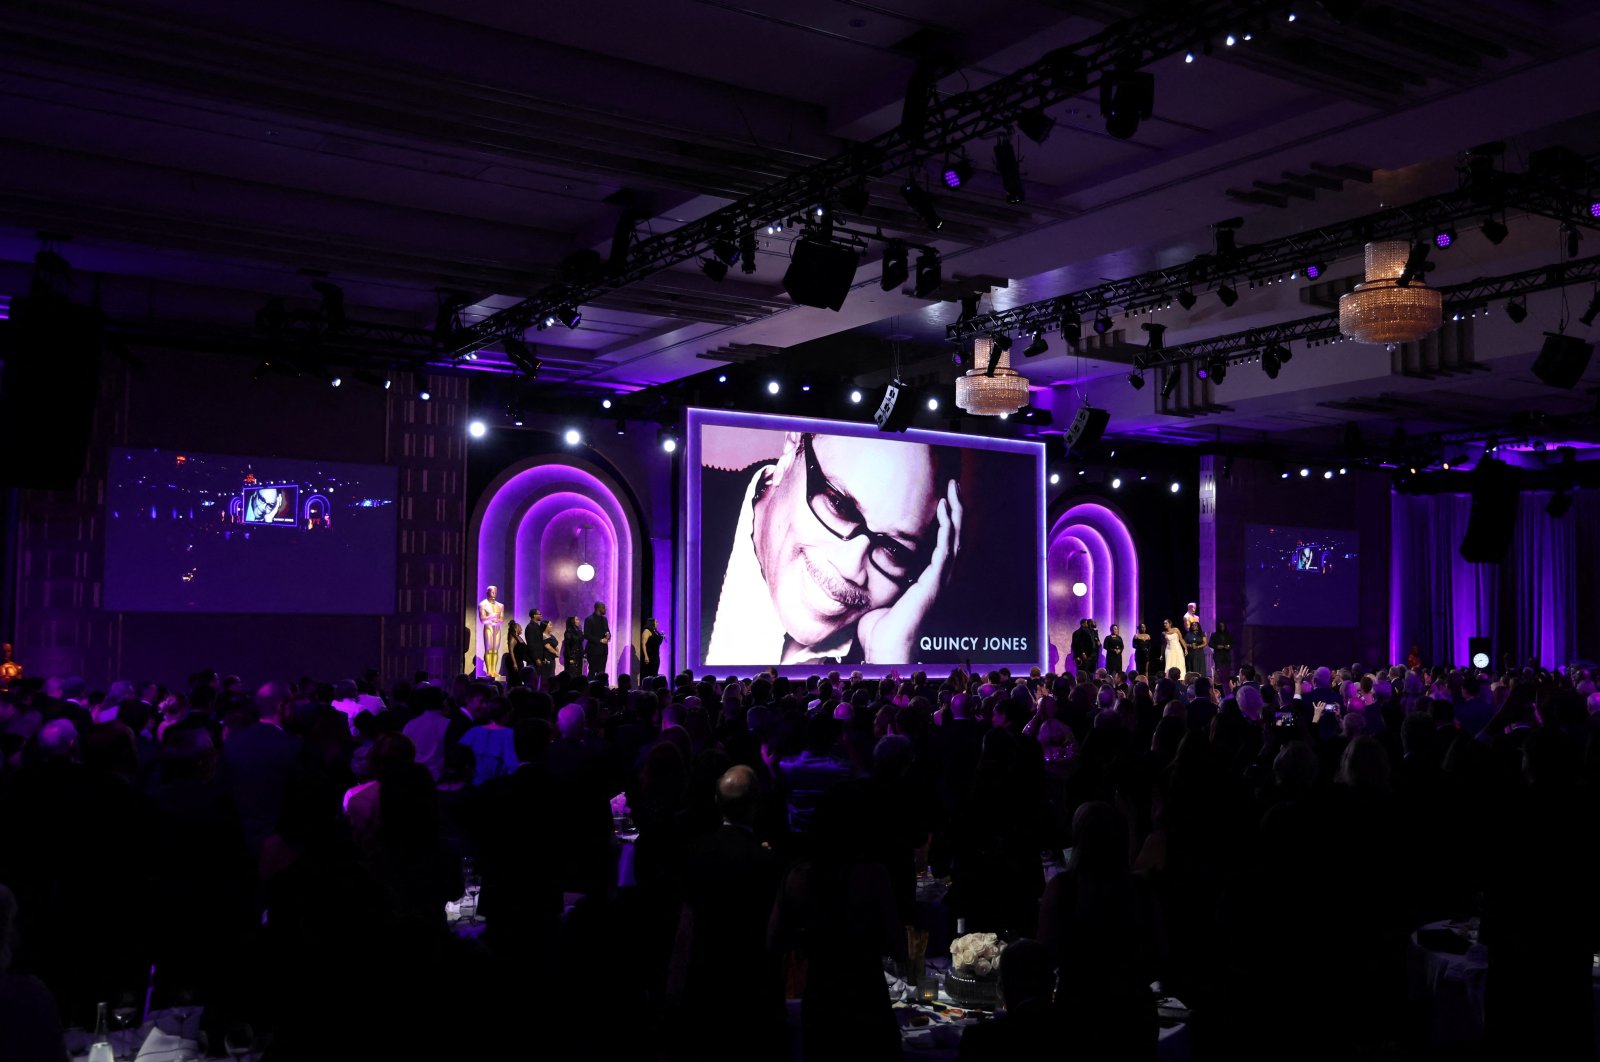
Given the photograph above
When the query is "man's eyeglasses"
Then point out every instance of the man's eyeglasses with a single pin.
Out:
(837, 512)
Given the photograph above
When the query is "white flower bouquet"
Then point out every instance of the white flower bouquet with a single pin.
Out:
(976, 954)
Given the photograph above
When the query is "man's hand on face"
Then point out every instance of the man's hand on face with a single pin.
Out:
(888, 635)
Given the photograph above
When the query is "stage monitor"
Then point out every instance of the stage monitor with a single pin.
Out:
(816, 545)
(199, 532)
(1301, 576)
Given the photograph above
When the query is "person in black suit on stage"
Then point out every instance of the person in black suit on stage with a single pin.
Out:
(597, 640)
(1221, 652)
(1085, 647)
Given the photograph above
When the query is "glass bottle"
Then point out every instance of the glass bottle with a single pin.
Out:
(100, 1049)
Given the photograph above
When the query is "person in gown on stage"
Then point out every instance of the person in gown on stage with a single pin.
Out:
(516, 649)
(1141, 650)
(572, 647)
(492, 617)
(650, 649)
(1172, 648)
(1113, 647)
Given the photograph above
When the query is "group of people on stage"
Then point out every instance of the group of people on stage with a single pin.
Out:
(1181, 647)
(537, 647)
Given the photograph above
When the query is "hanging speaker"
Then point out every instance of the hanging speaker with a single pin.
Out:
(1494, 512)
(820, 273)
(1086, 428)
(894, 412)
(1562, 360)
(50, 369)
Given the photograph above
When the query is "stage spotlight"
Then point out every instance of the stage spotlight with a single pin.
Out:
(605, 403)
(477, 429)
(569, 316)
(1227, 294)
(419, 384)
(1517, 310)
(1169, 384)
(1284, 474)
(855, 398)
(958, 171)
(1593, 309)
(573, 436)
(773, 387)
(1010, 169)
(668, 440)
(1055, 477)
(747, 251)
(1315, 270)
(1136, 380)
(1219, 369)
(1416, 263)
(1328, 474)
(1035, 124)
(1570, 231)
(1594, 209)
(1342, 471)
(1202, 371)
(1188, 57)
(1272, 361)
(1116, 483)
(1444, 237)
(1126, 97)
(521, 355)
(722, 377)
(969, 307)
(896, 266)
(1494, 231)
(1560, 502)
(1071, 327)
(1037, 347)
(714, 269)
(1155, 332)
(1224, 237)
(1304, 472)
(930, 274)
(922, 205)
(1187, 299)
(1175, 487)
(622, 426)
(332, 307)
(853, 197)
(337, 380)
(1102, 322)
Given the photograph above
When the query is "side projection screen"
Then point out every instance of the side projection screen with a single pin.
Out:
(197, 532)
(813, 543)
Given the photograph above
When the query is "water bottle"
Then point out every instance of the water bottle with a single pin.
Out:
(100, 1049)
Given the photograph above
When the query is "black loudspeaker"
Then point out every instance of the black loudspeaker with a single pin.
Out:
(1478, 653)
(820, 273)
(1562, 360)
(1086, 428)
(1494, 512)
(894, 412)
(49, 379)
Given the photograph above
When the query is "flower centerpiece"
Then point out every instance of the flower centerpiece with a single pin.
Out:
(974, 966)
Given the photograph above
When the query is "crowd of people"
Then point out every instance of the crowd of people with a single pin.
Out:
(1262, 845)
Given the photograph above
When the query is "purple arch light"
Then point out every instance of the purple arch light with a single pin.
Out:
(1113, 567)
(508, 535)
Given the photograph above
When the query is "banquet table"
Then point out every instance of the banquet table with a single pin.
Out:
(1451, 986)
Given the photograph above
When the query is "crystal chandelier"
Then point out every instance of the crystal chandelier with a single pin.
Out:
(1380, 310)
(986, 394)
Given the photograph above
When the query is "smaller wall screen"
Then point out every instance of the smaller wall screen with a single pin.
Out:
(199, 532)
(1301, 576)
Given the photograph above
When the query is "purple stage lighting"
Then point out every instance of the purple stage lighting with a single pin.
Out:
(1314, 271)
(1594, 210)
(1444, 238)
(958, 172)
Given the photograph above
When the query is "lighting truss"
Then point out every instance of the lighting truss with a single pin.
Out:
(1546, 194)
(979, 114)
(1459, 299)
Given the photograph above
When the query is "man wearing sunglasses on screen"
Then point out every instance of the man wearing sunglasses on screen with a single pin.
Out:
(840, 551)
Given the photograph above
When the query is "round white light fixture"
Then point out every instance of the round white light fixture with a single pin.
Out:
(1304, 472)
(772, 387)
(669, 444)
(1328, 474)
(933, 403)
(1055, 477)
(1342, 471)
(1116, 484)
(585, 572)
(424, 395)
(1080, 589)
(573, 437)
(336, 381)
(723, 378)
(855, 396)
(605, 403)
(477, 429)
(1176, 487)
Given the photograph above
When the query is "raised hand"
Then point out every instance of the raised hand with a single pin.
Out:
(888, 635)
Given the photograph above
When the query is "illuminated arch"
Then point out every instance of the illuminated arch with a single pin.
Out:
(327, 510)
(1091, 542)
(533, 526)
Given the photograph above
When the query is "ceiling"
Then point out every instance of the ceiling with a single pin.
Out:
(196, 159)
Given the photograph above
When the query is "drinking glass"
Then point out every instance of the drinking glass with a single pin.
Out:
(123, 1016)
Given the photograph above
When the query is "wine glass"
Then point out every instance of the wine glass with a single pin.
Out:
(240, 1040)
(122, 1019)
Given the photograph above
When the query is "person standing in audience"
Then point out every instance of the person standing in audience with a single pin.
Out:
(1029, 1027)
(258, 760)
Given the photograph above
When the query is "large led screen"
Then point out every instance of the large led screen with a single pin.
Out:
(1301, 576)
(197, 532)
(813, 543)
